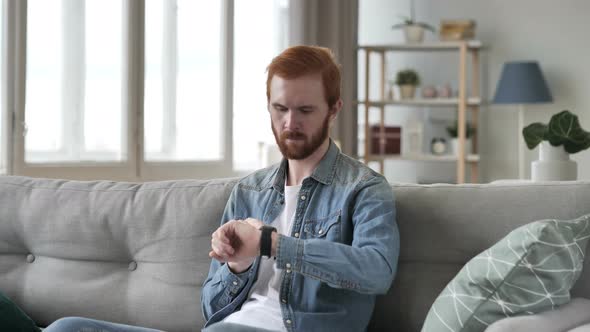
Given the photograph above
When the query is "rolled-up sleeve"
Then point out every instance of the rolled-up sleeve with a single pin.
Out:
(222, 286)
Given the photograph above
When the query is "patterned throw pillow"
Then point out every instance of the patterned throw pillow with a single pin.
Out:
(530, 270)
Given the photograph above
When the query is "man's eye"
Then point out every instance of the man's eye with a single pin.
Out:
(306, 110)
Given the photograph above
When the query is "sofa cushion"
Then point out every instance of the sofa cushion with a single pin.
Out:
(12, 318)
(583, 328)
(563, 318)
(530, 270)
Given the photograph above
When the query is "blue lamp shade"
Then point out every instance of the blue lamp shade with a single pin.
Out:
(522, 83)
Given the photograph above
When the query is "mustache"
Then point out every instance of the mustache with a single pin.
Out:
(288, 134)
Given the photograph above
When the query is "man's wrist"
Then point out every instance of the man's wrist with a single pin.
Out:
(239, 267)
(266, 240)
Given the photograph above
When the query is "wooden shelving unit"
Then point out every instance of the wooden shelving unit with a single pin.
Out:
(462, 102)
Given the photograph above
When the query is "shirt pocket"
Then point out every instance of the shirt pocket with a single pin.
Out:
(324, 228)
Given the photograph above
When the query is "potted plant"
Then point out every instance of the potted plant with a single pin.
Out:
(407, 80)
(453, 131)
(558, 139)
(413, 30)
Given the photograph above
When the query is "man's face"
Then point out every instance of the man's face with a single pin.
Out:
(300, 117)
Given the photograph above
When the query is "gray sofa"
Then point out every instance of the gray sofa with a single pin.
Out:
(137, 253)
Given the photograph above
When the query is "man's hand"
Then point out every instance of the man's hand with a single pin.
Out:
(236, 242)
(254, 223)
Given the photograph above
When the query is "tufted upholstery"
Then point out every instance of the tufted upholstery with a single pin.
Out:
(130, 253)
(137, 253)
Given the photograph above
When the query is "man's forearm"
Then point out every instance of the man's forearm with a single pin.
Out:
(365, 268)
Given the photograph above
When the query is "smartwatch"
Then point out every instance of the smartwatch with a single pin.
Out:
(266, 240)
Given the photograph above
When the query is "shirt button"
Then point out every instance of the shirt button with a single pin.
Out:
(288, 321)
(288, 270)
(296, 234)
(284, 301)
(235, 283)
(321, 231)
(288, 265)
(302, 197)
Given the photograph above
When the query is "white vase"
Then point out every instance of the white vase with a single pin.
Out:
(407, 91)
(455, 146)
(554, 164)
(414, 33)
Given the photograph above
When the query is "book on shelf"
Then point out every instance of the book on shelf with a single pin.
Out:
(388, 142)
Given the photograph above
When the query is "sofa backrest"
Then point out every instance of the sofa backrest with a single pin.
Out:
(443, 226)
(123, 252)
(137, 253)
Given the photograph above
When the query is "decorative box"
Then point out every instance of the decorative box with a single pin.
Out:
(457, 30)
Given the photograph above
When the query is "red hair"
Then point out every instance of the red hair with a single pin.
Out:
(302, 60)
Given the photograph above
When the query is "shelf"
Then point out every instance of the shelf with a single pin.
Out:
(472, 101)
(465, 51)
(425, 46)
(471, 158)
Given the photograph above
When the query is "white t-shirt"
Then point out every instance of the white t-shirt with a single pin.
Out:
(263, 308)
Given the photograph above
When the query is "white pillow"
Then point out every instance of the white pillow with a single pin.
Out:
(563, 318)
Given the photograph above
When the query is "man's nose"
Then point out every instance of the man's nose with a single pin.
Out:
(291, 120)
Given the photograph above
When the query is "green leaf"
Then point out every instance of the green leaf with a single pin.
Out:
(409, 21)
(571, 147)
(426, 26)
(406, 21)
(534, 134)
(407, 76)
(452, 130)
(565, 129)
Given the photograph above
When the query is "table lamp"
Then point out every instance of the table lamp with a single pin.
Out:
(521, 83)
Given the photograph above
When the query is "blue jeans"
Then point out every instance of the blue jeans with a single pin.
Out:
(79, 324)
(231, 327)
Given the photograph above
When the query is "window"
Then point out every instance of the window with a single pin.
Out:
(183, 69)
(257, 41)
(73, 104)
(142, 90)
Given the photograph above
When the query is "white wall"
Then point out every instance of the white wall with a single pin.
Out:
(555, 33)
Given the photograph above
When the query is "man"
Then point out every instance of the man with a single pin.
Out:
(305, 245)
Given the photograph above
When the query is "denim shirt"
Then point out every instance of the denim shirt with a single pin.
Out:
(341, 252)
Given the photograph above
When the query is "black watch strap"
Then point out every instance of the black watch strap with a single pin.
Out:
(266, 240)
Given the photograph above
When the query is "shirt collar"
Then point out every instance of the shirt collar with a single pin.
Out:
(323, 173)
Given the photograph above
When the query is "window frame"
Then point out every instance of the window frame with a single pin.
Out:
(134, 168)
(6, 90)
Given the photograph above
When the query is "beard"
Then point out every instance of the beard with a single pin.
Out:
(297, 151)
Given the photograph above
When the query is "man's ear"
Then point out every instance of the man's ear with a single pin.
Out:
(335, 110)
